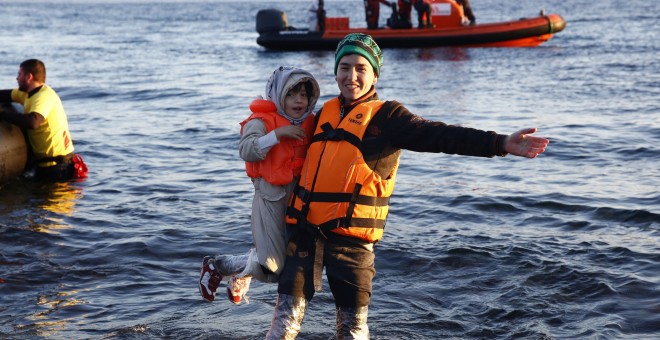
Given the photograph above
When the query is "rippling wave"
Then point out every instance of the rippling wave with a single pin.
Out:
(565, 246)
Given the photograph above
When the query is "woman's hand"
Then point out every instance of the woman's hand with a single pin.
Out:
(522, 143)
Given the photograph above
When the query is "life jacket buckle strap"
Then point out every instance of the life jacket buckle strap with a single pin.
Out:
(322, 230)
(312, 229)
(302, 193)
(292, 212)
(332, 134)
(335, 135)
(351, 205)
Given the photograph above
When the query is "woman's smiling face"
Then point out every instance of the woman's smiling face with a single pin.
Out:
(355, 76)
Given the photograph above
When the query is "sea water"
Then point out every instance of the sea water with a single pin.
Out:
(564, 246)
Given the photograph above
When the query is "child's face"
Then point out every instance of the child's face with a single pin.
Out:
(296, 102)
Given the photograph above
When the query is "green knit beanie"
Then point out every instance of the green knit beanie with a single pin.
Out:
(362, 44)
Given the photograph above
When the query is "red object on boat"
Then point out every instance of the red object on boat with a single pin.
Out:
(447, 17)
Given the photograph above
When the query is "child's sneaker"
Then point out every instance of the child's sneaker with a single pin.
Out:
(209, 279)
(237, 288)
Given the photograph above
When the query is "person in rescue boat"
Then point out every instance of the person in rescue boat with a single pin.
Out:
(274, 140)
(372, 10)
(467, 11)
(404, 10)
(316, 16)
(44, 122)
(339, 207)
(423, 8)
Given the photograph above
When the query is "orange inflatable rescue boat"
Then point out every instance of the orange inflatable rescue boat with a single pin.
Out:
(447, 18)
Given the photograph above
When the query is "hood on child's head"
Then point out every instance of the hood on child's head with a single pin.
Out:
(283, 79)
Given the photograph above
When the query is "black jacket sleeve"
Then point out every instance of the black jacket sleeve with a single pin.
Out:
(404, 130)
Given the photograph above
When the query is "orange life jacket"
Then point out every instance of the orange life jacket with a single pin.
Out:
(337, 191)
(286, 158)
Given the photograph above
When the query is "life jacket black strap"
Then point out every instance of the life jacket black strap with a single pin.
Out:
(344, 222)
(351, 205)
(325, 230)
(330, 197)
(330, 134)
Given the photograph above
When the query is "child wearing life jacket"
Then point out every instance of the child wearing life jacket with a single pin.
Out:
(274, 142)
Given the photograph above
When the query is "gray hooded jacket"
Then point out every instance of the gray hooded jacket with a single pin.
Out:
(284, 79)
(254, 143)
(270, 201)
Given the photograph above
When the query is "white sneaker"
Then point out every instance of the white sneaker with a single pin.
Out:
(237, 287)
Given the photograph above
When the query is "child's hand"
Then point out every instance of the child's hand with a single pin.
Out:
(290, 131)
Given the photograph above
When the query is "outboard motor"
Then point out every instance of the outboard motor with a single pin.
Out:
(271, 20)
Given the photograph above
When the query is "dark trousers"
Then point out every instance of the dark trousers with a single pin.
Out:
(62, 171)
(423, 14)
(372, 11)
(349, 269)
(467, 9)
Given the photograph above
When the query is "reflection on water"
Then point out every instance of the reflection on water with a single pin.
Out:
(29, 210)
(60, 198)
(44, 206)
(445, 53)
(563, 246)
(43, 324)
